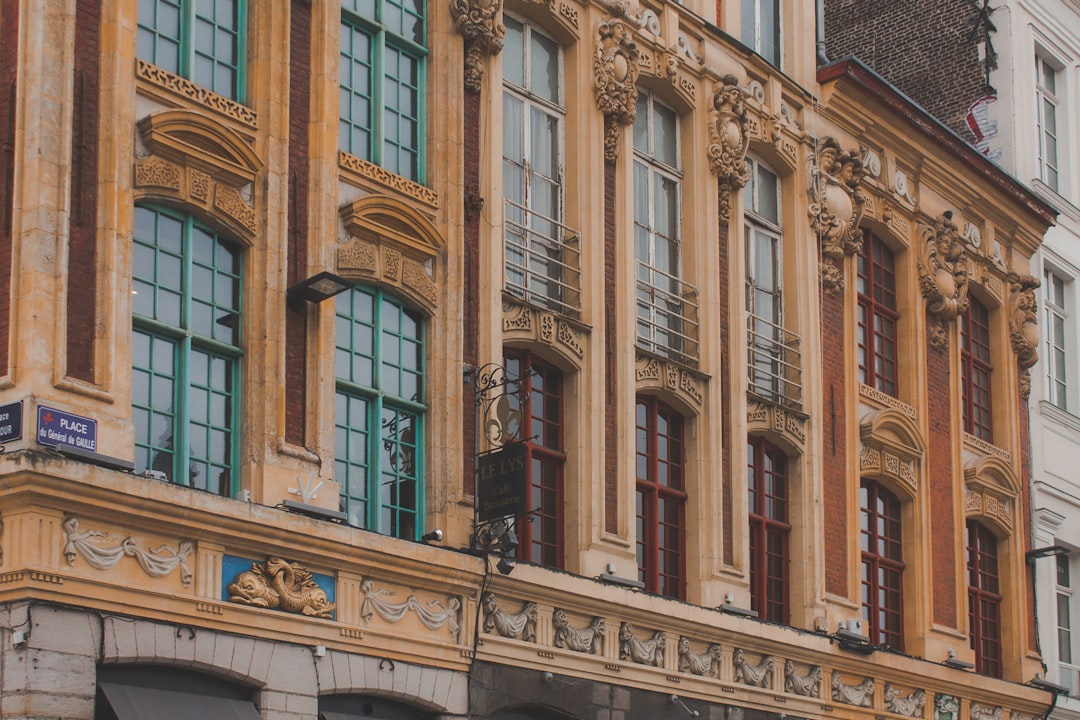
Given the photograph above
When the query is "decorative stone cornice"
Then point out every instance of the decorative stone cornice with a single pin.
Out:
(478, 22)
(837, 208)
(728, 140)
(1024, 326)
(615, 67)
(654, 373)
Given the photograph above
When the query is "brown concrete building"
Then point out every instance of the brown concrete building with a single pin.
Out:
(756, 335)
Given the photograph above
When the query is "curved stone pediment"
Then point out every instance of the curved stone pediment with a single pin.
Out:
(194, 140)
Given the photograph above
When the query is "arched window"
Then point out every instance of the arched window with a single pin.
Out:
(379, 412)
(185, 350)
(984, 599)
(882, 565)
(540, 387)
(767, 483)
(365, 707)
(976, 370)
(144, 691)
(878, 315)
(661, 498)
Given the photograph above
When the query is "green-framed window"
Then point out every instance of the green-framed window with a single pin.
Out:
(381, 73)
(379, 412)
(202, 40)
(185, 349)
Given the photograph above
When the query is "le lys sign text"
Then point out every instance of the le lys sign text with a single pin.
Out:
(502, 486)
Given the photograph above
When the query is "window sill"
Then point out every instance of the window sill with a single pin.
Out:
(1052, 412)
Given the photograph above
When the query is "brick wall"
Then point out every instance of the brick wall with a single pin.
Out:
(928, 49)
(941, 484)
(834, 432)
(727, 496)
(9, 47)
(296, 315)
(82, 227)
(471, 300)
(611, 415)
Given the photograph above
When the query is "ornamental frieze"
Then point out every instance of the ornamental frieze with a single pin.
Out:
(615, 70)
(882, 398)
(387, 179)
(946, 707)
(583, 640)
(728, 140)
(859, 695)
(520, 625)
(706, 663)
(280, 585)
(184, 88)
(808, 685)
(985, 712)
(478, 21)
(432, 614)
(644, 652)
(102, 552)
(758, 674)
(910, 705)
(989, 505)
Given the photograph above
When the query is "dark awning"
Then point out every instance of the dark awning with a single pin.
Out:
(133, 702)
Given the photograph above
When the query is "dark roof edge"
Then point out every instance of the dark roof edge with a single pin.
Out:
(859, 73)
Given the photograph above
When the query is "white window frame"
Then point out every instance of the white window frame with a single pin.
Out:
(756, 224)
(1043, 96)
(1057, 387)
(759, 29)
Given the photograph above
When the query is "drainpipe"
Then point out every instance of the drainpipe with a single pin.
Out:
(822, 59)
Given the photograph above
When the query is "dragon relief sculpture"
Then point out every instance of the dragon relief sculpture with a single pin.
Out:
(644, 652)
(944, 270)
(861, 695)
(1024, 326)
(478, 22)
(837, 208)
(522, 625)
(759, 675)
(910, 705)
(708, 663)
(585, 640)
(808, 685)
(280, 585)
(728, 140)
(615, 66)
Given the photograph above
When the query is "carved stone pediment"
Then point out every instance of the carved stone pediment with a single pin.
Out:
(194, 140)
(728, 140)
(478, 22)
(615, 70)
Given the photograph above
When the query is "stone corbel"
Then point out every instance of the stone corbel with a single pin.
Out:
(837, 208)
(1024, 326)
(728, 140)
(943, 274)
(478, 22)
(615, 66)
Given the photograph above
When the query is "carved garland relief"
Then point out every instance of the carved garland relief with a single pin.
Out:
(615, 67)
(102, 553)
(478, 22)
(728, 140)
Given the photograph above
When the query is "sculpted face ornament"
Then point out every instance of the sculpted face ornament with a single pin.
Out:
(615, 67)
(478, 22)
(943, 274)
(1024, 326)
(837, 208)
(728, 141)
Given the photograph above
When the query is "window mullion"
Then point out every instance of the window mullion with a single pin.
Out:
(187, 38)
(181, 456)
(375, 468)
(378, 95)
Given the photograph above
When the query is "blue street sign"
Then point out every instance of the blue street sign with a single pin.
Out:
(56, 427)
(11, 417)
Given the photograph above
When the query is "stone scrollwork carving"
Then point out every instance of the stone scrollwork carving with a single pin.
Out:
(861, 695)
(644, 652)
(910, 705)
(478, 22)
(280, 585)
(943, 269)
(728, 140)
(759, 675)
(808, 685)
(433, 614)
(946, 707)
(615, 66)
(584, 640)
(707, 663)
(155, 562)
(837, 207)
(1024, 326)
(521, 625)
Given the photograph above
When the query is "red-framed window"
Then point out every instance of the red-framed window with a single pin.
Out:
(984, 599)
(767, 484)
(540, 386)
(878, 316)
(976, 370)
(661, 498)
(882, 565)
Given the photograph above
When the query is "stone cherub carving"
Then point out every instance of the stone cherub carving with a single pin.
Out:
(645, 652)
(521, 625)
(759, 675)
(728, 140)
(586, 639)
(708, 663)
(280, 585)
(861, 695)
(808, 685)
(982, 712)
(910, 705)
(615, 67)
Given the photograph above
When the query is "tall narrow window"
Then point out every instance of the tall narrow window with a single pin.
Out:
(540, 250)
(201, 40)
(1064, 610)
(984, 599)
(657, 180)
(882, 565)
(379, 413)
(761, 28)
(976, 370)
(540, 388)
(185, 350)
(1047, 101)
(878, 316)
(1055, 328)
(381, 74)
(661, 499)
(767, 482)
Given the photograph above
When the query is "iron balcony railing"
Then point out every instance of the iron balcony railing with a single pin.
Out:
(774, 363)
(543, 260)
(667, 315)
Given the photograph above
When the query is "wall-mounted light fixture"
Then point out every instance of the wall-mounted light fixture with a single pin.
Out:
(318, 288)
(435, 535)
(314, 511)
(956, 663)
(1038, 682)
(676, 700)
(505, 565)
(1051, 550)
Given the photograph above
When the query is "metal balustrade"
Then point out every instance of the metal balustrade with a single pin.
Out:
(543, 260)
(667, 315)
(774, 363)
